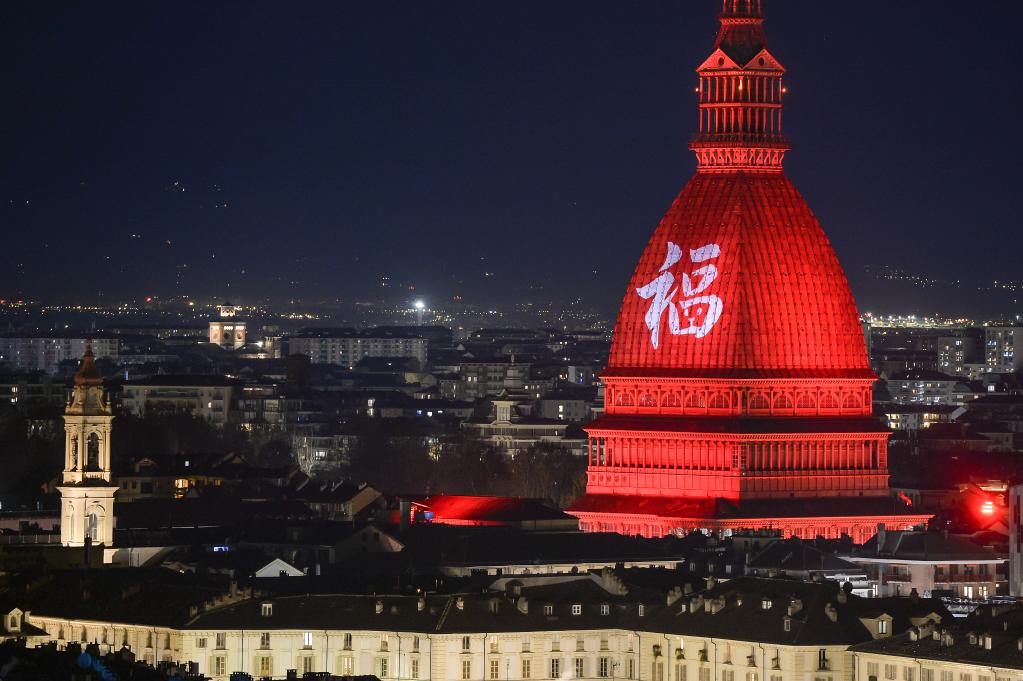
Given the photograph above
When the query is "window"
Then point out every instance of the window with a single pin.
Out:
(200, 643)
(946, 676)
(264, 665)
(381, 666)
(219, 665)
(348, 641)
(889, 672)
(383, 642)
(307, 639)
(577, 609)
(307, 665)
(822, 659)
(578, 668)
(907, 674)
(495, 669)
(266, 609)
(727, 675)
(494, 646)
(580, 645)
(882, 626)
(680, 672)
(603, 643)
(604, 667)
(548, 610)
(221, 640)
(657, 671)
(527, 669)
(414, 668)
(704, 673)
(466, 669)
(525, 644)
(965, 677)
(264, 640)
(630, 668)
(751, 676)
(765, 604)
(466, 642)
(555, 667)
(348, 665)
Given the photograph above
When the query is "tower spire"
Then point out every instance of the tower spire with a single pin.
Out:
(740, 97)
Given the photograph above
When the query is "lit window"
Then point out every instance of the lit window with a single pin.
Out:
(577, 609)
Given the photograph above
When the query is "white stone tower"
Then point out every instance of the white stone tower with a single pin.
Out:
(86, 491)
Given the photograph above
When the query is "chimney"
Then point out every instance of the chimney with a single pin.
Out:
(421, 604)
(460, 603)
(379, 607)
(674, 595)
(795, 605)
(914, 597)
(522, 603)
(712, 582)
(831, 611)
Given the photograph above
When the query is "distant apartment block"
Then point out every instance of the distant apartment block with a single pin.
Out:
(205, 397)
(347, 347)
(1004, 348)
(45, 353)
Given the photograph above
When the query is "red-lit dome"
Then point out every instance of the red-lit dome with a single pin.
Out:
(739, 280)
(738, 391)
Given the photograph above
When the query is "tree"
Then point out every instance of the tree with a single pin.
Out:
(548, 471)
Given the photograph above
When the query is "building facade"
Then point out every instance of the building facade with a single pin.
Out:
(228, 331)
(570, 627)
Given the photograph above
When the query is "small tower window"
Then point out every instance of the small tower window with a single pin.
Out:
(92, 453)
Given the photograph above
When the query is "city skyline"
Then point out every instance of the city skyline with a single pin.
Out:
(502, 159)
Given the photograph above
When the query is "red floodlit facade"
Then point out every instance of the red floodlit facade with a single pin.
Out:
(738, 390)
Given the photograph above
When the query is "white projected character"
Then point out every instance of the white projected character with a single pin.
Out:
(701, 312)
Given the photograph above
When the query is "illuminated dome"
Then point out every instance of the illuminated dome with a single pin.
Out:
(738, 390)
(771, 299)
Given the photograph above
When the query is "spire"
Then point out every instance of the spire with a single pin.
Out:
(88, 372)
(740, 97)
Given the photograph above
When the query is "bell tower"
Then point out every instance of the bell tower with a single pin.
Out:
(86, 490)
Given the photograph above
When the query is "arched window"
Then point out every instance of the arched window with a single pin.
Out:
(624, 399)
(759, 402)
(695, 400)
(851, 402)
(806, 401)
(92, 526)
(647, 400)
(74, 452)
(782, 402)
(829, 401)
(670, 400)
(719, 401)
(92, 453)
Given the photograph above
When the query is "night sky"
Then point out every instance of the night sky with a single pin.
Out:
(503, 151)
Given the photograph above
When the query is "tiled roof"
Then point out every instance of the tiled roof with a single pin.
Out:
(743, 615)
(786, 304)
